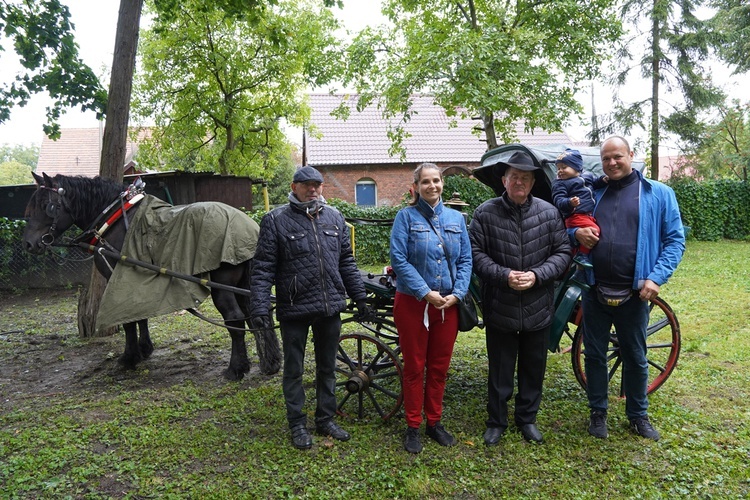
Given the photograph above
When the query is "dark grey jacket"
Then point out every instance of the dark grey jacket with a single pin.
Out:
(309, 260)
(530, 237)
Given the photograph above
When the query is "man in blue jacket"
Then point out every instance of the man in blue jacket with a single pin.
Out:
(641, 242)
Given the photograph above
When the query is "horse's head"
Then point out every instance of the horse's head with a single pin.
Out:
(47, 213)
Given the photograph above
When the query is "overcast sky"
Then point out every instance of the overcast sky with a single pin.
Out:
(95, 24)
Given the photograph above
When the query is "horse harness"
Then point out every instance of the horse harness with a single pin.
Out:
(112, 213)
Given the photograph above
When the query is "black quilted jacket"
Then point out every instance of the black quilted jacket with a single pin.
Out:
(530, 237)
(309, 260)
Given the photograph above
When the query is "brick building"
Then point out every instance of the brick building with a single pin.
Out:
(353, 154)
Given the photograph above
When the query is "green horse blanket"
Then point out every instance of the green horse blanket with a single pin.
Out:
(190, 239)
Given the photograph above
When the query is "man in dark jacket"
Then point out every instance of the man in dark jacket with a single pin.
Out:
(520, 248)
(304, 249)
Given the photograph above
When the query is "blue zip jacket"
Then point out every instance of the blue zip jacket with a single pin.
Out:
(417, 257)
(661, 236)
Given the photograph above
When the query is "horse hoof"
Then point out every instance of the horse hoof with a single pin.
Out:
(147, 350)
(233, 375)
(128, 362)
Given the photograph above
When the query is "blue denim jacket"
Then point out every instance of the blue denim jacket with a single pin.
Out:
(417, 257)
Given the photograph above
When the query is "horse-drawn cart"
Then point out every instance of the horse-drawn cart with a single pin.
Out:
(369, 364)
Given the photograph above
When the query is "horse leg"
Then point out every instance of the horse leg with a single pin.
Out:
(132, 355)
(144, 339)
(225, 302)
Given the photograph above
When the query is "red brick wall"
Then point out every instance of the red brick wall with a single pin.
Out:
(393, 181)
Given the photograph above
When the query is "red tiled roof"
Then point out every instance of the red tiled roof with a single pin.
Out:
(363, 139)
(76, 152)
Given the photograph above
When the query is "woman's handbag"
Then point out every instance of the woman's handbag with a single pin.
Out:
(467, 313)
(467, 309)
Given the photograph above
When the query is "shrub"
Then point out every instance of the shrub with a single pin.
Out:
(714, 209)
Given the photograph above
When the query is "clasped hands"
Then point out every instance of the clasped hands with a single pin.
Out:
(521, 280)
(439, 301)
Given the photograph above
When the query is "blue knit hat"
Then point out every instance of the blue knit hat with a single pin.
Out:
(572, 158)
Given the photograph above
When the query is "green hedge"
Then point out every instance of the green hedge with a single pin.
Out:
(714, 209)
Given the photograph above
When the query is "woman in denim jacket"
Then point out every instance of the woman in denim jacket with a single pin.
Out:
(424, 309)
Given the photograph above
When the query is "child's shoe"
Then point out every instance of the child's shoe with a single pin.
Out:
(583, 261)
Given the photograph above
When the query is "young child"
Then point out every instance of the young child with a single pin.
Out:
(573, 195)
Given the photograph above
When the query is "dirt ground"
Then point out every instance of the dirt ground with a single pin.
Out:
(42, 354)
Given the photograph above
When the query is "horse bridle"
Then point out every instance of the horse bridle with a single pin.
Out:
(52, 210)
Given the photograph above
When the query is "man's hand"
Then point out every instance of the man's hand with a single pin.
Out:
(364, 311)
(649, 291)
(259, 323)
(520, 280)
(587, 237)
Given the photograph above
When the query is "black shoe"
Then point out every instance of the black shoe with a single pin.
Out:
(642, 426)
(332, 429)
(440, 435)
(598, 424)
(492, 435)
(301, 438)
(531, 433)
(412, 444)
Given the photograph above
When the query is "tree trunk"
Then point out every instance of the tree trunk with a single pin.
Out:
(488, 120)
(114, 142)
(655, 75)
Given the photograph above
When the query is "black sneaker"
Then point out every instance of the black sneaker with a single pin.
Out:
(439, 434)
(412, 444)
(598, 424)
(643, 428)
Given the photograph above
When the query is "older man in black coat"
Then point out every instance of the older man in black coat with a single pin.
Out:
(520, 248)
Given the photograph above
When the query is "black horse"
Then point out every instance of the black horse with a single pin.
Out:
(63, 201)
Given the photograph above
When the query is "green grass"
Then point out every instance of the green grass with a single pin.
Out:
(213, 439)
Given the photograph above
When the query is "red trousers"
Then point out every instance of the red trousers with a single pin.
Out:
(582, 220)
(426, 354)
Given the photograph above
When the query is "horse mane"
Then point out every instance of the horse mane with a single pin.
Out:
(85, 197)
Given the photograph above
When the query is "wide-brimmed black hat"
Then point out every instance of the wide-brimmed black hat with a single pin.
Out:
(519, 160)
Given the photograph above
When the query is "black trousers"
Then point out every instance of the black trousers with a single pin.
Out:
(326, 331)
(503, 349)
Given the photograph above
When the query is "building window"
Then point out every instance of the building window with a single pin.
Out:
(366, 192)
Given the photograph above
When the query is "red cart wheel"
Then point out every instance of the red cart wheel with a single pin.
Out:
(663, 349)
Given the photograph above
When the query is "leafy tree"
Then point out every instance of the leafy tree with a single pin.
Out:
(725, 150)
(13, 172)
(732, 24)
(281, 179)
(25, 155)
(217, 86)
(676, 42)
(497, 60)
(42, 36)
